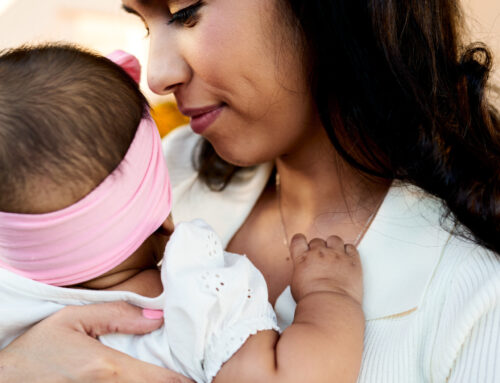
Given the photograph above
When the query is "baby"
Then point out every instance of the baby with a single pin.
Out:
(84, 218)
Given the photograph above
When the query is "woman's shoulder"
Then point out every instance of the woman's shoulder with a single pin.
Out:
(464, 267)
(412, 243)
(463, 271)
(471, 268)
(464, 300)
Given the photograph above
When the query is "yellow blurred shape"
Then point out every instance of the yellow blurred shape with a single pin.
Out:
(168, 117)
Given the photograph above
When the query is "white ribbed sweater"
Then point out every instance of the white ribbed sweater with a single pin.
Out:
(432, 301)
(453, 336)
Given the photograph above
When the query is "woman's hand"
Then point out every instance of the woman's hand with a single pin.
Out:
(64, 348)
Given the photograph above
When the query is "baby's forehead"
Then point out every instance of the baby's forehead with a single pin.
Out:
(46, 196)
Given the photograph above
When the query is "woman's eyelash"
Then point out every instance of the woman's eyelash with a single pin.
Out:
(184, 16)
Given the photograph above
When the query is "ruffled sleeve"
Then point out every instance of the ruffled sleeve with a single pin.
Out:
(214, 300)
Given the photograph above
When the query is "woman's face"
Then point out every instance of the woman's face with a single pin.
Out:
(235, 67)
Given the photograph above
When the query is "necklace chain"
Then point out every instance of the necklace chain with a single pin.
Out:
(283, 225)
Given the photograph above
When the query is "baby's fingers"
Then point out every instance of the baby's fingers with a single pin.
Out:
(317, 243)
(298, 246)
(335, 242)
(351, 250)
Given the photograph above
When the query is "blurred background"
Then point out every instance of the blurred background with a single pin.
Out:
(102, 25)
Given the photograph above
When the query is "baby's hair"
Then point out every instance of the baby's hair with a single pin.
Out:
(67, 118)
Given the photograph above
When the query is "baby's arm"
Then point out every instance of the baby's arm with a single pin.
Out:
(325, 341)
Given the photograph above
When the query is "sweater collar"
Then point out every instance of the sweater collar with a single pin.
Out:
(400, 252)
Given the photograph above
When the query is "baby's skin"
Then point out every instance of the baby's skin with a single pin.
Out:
(324, 342)
(139, 273)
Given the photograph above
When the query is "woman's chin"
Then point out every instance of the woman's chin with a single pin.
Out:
(237, 155)
(236, 160)
(235, 146)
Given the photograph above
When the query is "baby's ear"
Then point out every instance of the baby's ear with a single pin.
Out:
(168, 225)
(128, 62)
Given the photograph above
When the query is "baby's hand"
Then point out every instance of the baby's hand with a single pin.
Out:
(325, 266)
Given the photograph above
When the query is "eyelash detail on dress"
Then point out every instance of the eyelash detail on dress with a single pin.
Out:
(185, 16)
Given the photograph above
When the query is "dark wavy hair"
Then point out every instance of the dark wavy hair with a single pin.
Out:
(401, 97)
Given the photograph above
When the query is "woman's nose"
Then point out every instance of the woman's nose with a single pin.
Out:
(167, 68)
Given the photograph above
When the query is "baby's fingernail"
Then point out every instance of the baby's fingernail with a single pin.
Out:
(152, 314)
(350, 249)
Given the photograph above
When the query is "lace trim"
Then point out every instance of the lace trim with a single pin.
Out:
(223, 346)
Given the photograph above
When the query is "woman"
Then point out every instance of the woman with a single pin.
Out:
(335, 107)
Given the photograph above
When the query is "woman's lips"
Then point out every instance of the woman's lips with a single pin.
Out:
(202, 118)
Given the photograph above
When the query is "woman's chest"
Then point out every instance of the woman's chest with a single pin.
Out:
(261, 239)
(272, 258)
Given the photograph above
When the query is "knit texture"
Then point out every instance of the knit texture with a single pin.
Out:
(453, 337)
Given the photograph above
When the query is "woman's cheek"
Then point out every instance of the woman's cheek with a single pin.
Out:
(213, 50)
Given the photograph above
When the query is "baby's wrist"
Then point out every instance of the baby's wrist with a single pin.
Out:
(329, 289)
(320, 308)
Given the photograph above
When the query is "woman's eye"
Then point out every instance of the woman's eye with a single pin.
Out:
(187, 16)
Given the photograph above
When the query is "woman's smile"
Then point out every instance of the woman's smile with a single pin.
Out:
(202, 118)
(228, 56)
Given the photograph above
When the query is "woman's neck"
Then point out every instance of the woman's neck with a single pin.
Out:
(320, 195)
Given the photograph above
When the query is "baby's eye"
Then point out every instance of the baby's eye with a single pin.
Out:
(187, 16)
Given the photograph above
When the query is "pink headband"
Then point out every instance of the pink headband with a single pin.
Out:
(101, 230)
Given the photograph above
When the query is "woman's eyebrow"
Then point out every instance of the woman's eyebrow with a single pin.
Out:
(145, 3)
(134, 12)
(130, 10)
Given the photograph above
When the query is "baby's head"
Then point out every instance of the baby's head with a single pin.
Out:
(67, 120)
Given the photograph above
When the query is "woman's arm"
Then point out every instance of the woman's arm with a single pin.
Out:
(64, 348)
(325, 341)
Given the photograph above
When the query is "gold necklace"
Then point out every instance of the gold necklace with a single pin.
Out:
(283, 225)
